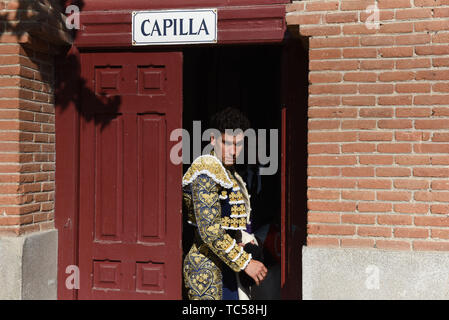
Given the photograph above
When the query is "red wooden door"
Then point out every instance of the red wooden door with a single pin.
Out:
(294, 167)
(130, 201)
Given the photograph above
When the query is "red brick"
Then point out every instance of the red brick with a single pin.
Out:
(413, 63)
(440, 111)
(331, 206)
(357, 172)
(302, 19)
(395, 124)
(394, 195)
(437, 196)
(358, 148)
(316, 54)
(431, 172)
(372, 40)
(332, 160)
(337, 89)
(432, 221)
(374, 184)
(439, 209)
(322, 65)
(323, 217)
(323, 194)
(393, 245)
(396, 100)
(376, 64)
(332, 136)
(376, 88)
(430, 246)
(374, 207)
(358, 218)
(390, 4)
(312, 30)
(325, 78)
(322, 5)
(360, 77)
(412, 135)
(330, 229)
(338, 112)
(359, 124)
(413, 112)
(331, 183)
(334, 42)
(357, 195)
(412, 160)
(324, 101)
(412, 87)
(357, 243)
(375, 136)
(322, 242)
(370, 231)
(397, 219)
(393, 172)
(351, 5)
(323, 148)
(407, 14)
(431, 25)
(430, 3)
(394, 148)
(431, 100)
(440, 62)
(392, 76)
(376, 159)
(323, 124)
(431, 148)
(411, 233)
(349, 53)
(440, 234)
(341, 17)
(321, 171)
(414, 208)
(411, 184)
(440, 185)
(440, 87)
(376, 112)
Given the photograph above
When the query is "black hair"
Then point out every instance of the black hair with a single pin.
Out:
(229, 118)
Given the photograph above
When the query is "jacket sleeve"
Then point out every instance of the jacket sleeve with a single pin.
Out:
(208, 219)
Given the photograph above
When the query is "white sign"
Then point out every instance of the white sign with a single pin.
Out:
(174, 27)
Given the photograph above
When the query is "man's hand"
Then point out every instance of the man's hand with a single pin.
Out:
(256, 270)
(242, 244)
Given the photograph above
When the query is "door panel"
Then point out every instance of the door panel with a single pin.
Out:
(130, 221)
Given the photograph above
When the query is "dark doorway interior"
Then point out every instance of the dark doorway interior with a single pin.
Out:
(248, 78)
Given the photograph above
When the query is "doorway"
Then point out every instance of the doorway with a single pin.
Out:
(247, 78)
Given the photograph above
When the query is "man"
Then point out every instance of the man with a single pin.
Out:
(217, 204)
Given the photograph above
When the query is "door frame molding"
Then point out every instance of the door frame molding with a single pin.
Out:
(237, 25)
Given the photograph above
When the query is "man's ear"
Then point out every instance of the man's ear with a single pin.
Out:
(212, 139)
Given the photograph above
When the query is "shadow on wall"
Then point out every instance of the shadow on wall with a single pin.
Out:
(39, 26)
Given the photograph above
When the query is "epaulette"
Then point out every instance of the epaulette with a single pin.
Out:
(210, 165)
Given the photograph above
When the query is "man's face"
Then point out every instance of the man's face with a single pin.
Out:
(228, 147)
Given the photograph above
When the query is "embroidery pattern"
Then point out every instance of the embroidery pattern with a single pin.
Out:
(203, 279)
(209, 165)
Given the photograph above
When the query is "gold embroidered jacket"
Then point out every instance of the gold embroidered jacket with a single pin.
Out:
(214, 203)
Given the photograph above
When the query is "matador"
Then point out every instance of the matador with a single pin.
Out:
(217, 205)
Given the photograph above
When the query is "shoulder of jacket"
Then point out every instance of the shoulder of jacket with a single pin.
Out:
(209, 165)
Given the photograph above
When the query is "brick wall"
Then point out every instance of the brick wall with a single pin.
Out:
(27, 120)
(378, 123)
